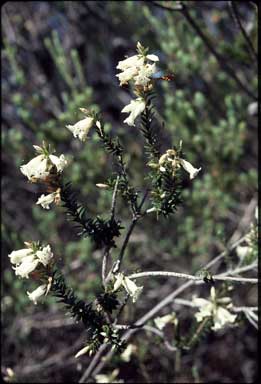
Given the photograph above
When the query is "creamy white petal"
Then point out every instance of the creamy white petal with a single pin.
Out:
(27, 266)
(118, 282)
(126, 354)
(205, 311)
(45, 255)
(59, 162)
(144, 75)
(242, 251)
(81, 128)
(189, 168)
(152, 57)
(16, 257)
(136, 107)
(223, 317)
(82, 351)
(133, 290)
(109, 378)
(127, 75)
(36, 168)
(46, 200)
(213, 294)
(132, 61)
(40, 291)
(162, 321)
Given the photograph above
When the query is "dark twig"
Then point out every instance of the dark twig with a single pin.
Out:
(117, 264)
(250, 46)
(107, 249)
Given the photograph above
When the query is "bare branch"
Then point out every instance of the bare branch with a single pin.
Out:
(250, 46)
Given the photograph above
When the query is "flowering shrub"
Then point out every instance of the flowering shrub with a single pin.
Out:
(167, 171)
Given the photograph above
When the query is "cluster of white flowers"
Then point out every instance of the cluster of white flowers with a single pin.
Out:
(216, 308)
(41, 166)
(131, 288)
(171, 157)
(27, 260)
(137, 68)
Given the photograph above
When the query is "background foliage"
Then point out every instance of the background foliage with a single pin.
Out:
(59, 56)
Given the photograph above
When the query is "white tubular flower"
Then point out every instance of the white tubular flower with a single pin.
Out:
(37, 168)
(189, 168)
(222, 317)
(135, 108)
(59, 162)
(126, 354)
(215, 308)
(40, 291)
(28, 265)
(118, 281)
(132, 289)
(82, 351)
(81, 128)
(242, 251)
(45, 255)
(102, 186)
(46, 200)
(16, 257)
(161, 322)
(144, 75)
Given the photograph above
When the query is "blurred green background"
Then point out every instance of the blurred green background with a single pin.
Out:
(61, 55)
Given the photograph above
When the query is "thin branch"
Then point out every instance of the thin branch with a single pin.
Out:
(143, 320)
(113, 204)
(242, 309)
(93, 363)
(236, 279)
(164, 273)
(167, 300)
(239, 270)
(107, 250)
(104, 265)
(250, 46)
(117, 264)
(192, 277)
